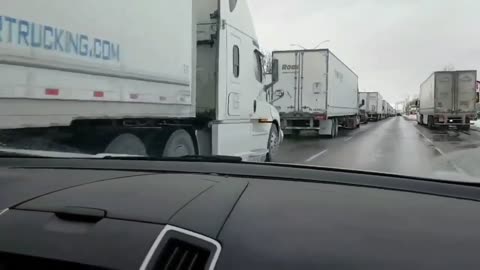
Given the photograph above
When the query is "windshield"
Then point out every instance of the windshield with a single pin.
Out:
(384, 86)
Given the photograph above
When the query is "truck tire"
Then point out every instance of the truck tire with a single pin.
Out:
(273, 143)
(430, 124)
(127, 144)
(179, 144)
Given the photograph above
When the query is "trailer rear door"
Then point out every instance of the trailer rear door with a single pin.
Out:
(287, 81)
(444, 85)
(313, 82)
(372, 103)
(465, 94)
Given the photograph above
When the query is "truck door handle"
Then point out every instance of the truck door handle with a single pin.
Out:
(254, 106)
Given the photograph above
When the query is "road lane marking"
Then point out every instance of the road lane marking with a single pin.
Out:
(317, 155)
(348, 139)
(454, 165)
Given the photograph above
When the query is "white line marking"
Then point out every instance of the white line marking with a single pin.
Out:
(348, 139)
(316, 156)
(454, 165)
(3, 211)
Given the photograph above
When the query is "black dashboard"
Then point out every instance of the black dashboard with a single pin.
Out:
(113, 214)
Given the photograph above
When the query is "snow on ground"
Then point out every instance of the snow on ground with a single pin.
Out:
(411, 117)
(477, 123)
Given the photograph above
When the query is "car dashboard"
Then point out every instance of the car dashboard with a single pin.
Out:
(109, 214)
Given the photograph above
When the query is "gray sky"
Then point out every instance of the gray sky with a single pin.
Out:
(393, 46)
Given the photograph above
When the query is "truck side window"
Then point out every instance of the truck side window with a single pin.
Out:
(236, 61)
(258, 66)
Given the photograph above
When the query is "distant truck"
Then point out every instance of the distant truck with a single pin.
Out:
(384, 109)
(390, 110)
(447, 98)
(174, 78)
(362, 97)
(373, 104)
(315, 91)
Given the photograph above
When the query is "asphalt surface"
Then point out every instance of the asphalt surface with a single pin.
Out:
(396, 145)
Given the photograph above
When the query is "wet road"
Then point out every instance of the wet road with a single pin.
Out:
(396, 145)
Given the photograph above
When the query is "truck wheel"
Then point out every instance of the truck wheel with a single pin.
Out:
(179, 144)
(127, 144)
(421, 120)
(430, 124)
(273, 143)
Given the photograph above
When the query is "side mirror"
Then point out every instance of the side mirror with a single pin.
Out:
(275, 70)
(278, 94)
(363, 103)
(478, 97)
(274, 75)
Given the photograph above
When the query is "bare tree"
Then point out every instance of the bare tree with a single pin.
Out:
(267, 61)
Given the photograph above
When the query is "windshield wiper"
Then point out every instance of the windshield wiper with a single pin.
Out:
(194, 158)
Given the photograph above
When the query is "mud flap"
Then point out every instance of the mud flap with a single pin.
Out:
(325, 127)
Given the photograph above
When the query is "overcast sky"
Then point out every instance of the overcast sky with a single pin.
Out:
(393, 46)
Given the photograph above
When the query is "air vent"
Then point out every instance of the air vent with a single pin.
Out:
(180, 249)
(180, 255)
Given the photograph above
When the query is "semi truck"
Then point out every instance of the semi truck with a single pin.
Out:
(447, 98)
(156, 78)
(315, 91)
(373, 105)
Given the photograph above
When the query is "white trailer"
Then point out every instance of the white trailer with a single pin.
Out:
(384, 109)
(447, 98)
(390, 110)
(373, 105)
(315, 91)
(161, 78)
